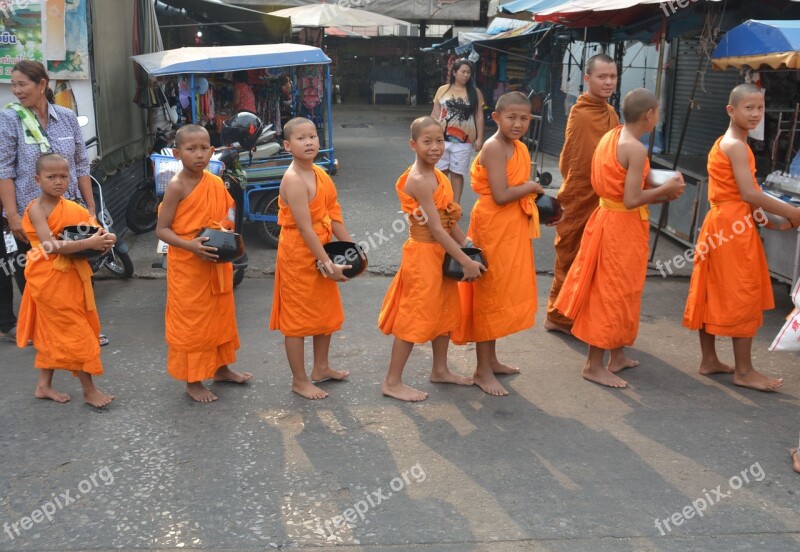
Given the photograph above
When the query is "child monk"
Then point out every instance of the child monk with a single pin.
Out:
(730, 286)
(589, 119)
(504, 219)
(58, 311)
(201, 331)
(422, 304)
(306, 301)
(603, 289)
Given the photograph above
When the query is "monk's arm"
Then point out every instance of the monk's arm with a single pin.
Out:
(571, 151)
(340, 231)
(296, 194)
(635, 157)
(417, 188)
(51, 244)
(494, 159)
(740, 163)
(458, 234)
(166, 216)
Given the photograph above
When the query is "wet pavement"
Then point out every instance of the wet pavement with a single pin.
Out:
(676, 462)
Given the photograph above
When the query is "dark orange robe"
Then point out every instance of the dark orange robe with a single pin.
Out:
(58, 311)
(304, 301)
(589, 119)
(603, 290)
(503, 300)
(421, 303)
(730, 286)
(200, 317)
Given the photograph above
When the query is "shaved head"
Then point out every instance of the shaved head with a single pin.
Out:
(738, 93)
(47, 159)
(290, 127)
(186, 130)
(594, 60)
(512, 98)
(421, 124)
(637, 103)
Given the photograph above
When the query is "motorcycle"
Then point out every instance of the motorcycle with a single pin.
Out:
(141, 214)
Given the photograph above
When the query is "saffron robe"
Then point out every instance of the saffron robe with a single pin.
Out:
(58, 311)
(503, 300)
(589, 119)
(421, 303)
(730, 286)
(603, 290)
(304, 301)
(201, 330)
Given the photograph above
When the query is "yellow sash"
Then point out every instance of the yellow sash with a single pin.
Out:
(611, 205)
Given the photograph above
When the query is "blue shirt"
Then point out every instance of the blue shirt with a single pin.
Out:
(18, 159)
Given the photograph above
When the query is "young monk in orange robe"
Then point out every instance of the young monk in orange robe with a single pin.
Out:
(58, 311)
(589, 119)
(603, 289)
(504, 219)
(306, 301)
(421, 303)
(730, 284)
(201, 331)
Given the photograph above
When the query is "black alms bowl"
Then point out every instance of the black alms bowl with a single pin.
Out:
(81, 232)
(230, 246)
(549, 209)
(453, 269)
(347, 253)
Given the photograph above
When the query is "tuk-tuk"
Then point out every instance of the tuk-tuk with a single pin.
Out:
(263, 175)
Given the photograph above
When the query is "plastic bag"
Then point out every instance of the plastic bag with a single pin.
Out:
(788, 339)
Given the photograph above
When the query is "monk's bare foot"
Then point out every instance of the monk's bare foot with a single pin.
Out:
(326, 374)
(403, 392)
(97, 398)
(602, 376)
(795, 459)
(308, 390)
(501, 369)
(715, 367)
(50, 394)
(199, 392)
(224, 373)
(757, 381)
(553, 327)
(490, 385)
(446, 376)
(615, 365)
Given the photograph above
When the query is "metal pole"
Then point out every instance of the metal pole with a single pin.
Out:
(662, 47)
(329, 117)
(191, 98)
(583, 58)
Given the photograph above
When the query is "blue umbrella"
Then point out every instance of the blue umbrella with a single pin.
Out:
(756, 43)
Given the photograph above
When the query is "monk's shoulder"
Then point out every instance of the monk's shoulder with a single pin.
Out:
(734, 148)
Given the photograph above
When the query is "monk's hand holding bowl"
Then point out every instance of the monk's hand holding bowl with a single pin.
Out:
(674, 187)
(205, 252)
(794, 220)
(333, 271)
(472, 270)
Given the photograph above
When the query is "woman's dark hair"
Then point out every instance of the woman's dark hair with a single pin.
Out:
(472, 92)
(35, 71)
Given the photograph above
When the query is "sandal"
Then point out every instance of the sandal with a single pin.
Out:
(10, 336)
(103, 340)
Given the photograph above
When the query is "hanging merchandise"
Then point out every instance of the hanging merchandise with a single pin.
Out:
(311, 93)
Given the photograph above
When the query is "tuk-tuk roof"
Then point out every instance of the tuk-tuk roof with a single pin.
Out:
(221, 59)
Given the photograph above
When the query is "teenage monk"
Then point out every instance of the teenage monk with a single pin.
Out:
(201, 331)
(504, 220)
(603, 289)
(589, 119)
(306, 300)
(58, 311)
(422, 304)
(730, 286)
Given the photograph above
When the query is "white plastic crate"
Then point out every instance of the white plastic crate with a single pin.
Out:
(165, 167)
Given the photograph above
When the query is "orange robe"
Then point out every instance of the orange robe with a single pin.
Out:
(304, 301)
(603, 289)
(201, 316)
(730, 286)
(421, 303)
(503, 300)
(58, 311)
(589, 120)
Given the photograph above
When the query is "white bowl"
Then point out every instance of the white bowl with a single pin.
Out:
(659, 177)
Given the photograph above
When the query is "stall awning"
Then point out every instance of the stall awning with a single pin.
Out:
(466, 40)
(757, 43)
(532, 6)
(244, 26)
(221, 59)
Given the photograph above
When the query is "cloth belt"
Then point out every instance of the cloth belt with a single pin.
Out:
(64, 263)
(419, 230)
(611, 205)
